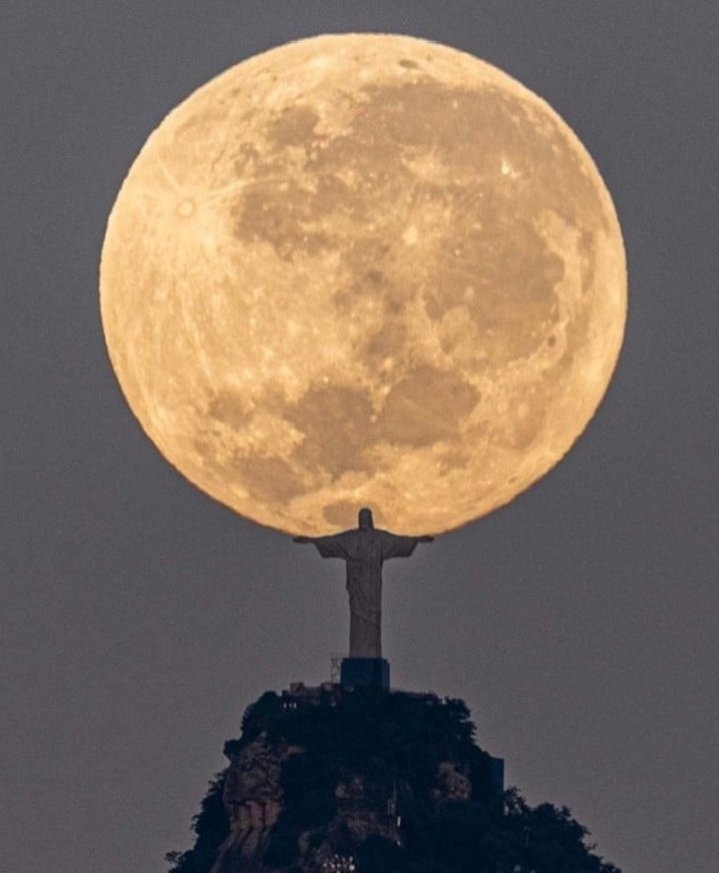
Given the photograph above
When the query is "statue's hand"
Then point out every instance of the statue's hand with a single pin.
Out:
(301, 540)
(425, 539)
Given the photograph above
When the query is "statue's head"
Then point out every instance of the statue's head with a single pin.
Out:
(365, 519)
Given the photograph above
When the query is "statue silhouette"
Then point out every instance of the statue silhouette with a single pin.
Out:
(364, 550)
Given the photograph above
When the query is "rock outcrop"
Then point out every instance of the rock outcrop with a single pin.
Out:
(253, 799)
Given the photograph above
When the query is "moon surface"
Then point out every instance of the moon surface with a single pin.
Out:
(363, 270)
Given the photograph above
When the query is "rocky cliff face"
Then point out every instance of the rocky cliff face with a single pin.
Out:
(253, 798)
(322, 781)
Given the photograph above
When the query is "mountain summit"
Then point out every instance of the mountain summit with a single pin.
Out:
(326, 780)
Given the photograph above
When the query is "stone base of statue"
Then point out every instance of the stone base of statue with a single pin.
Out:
(364, 673)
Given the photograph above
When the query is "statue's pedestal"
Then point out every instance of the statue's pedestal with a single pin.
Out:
(365, 673)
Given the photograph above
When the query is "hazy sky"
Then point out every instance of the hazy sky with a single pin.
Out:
(139, 618)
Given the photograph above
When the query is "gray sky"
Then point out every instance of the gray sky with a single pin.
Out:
(139, 618)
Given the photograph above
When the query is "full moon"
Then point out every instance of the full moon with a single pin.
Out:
(363, 270)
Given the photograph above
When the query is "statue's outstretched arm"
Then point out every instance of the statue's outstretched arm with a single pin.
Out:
(328, 547)
(394, 546)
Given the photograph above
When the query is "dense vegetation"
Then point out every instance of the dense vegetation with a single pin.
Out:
(396, 742)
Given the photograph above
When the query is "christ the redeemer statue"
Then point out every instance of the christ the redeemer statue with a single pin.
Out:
(364, 550)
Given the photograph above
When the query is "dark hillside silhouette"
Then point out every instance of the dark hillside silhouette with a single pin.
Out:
(387, 782)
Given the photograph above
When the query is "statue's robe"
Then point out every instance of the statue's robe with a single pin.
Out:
(364, 550)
